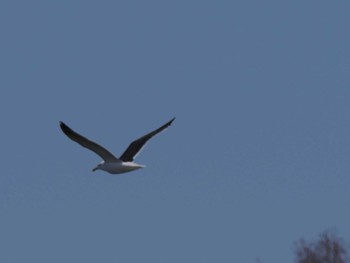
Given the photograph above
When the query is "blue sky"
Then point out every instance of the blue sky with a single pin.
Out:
(257, 158)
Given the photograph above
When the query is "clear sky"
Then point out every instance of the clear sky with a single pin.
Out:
(258, 157)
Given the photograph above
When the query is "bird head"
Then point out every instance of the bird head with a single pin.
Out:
(98, 167)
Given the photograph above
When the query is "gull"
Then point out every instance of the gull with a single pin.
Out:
(110, 163)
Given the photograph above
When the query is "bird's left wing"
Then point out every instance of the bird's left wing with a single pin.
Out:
(98, 149)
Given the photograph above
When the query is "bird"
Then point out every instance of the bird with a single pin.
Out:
(110, 163)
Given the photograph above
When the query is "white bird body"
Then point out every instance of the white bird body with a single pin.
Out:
(118, 167)
(110, 163)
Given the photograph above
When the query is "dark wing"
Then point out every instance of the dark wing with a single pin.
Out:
(136, 146)
(105, 155)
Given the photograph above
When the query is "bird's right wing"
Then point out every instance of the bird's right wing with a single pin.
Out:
(135, 147)
(98, 149)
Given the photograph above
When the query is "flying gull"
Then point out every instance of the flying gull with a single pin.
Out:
(111, 163)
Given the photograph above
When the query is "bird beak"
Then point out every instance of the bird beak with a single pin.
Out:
(94, 169)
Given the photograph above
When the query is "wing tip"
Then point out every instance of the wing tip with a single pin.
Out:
(171, 121)
(65, 128)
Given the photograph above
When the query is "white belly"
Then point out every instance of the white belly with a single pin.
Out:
(120, 167)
